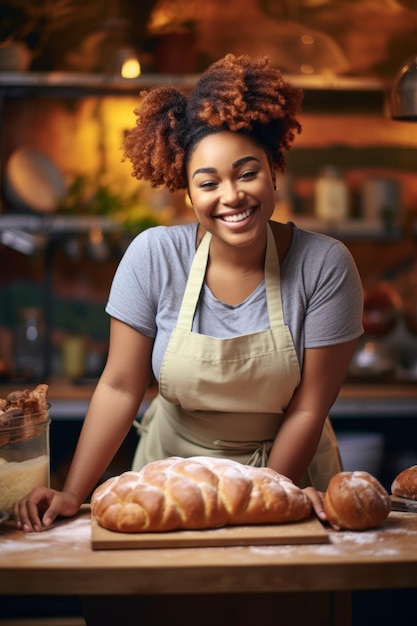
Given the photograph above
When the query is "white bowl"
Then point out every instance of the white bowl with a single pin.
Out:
(33, 182)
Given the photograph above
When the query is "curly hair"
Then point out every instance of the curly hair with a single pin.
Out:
(241, 94)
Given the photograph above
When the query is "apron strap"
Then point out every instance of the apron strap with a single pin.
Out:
(273, 282)
(194, 284)
(259, 450)
(198, 272)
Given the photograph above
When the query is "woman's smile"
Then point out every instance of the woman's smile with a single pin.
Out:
(236, 217)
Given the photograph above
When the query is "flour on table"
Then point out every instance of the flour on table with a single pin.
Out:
(75, 533)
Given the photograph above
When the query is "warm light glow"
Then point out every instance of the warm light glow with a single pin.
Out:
(305, 68)
(130, 68)
(307, 40)
(96, 235)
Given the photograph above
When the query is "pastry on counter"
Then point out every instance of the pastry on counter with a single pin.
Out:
(21, 412)
(356, 501)
(197, 493)
(404, 484)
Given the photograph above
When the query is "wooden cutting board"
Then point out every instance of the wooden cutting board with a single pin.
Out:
(305, 531)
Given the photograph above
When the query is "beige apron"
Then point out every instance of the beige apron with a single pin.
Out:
(227, 397)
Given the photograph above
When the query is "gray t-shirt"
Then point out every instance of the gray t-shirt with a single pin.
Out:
(320, 288)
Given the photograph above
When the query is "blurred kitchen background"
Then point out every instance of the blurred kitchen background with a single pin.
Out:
(71, 74)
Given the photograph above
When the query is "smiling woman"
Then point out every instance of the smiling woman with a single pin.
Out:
(247, 324)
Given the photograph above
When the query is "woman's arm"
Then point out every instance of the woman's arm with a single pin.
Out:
(112, 409)
(323, 373)
(324, 370)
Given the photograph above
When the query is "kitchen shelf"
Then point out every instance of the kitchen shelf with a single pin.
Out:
(69, 401)
(17, 84)
(351, 230)
(31, 233)
(57, 224)
(14, 83)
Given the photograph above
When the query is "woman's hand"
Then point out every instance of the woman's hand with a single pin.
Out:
(39, 509)
(317, 500)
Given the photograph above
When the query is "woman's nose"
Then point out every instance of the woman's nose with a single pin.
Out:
(232, 195)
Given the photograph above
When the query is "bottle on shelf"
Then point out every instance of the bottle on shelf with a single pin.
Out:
(331, 196)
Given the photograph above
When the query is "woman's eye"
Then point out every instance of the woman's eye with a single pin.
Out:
(207, 184)
(248, 174)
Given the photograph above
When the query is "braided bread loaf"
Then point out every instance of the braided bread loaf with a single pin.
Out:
(196, 493)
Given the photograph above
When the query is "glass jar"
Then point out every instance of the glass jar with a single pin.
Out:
(24, 457)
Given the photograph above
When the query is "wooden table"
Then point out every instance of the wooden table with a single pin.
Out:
(225, 586)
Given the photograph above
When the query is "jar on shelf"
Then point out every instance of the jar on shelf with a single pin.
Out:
(331, 196)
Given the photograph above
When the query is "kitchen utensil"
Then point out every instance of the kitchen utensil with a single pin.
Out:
(404, 505)
(32, 182)
(371, 359)
(303, 532)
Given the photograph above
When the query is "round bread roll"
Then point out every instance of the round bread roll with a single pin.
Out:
(405, 484)
(356, 501)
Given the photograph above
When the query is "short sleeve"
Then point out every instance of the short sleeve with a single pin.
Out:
(335, 306)
(131, 295)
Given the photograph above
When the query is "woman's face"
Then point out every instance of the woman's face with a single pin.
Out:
(231, 187)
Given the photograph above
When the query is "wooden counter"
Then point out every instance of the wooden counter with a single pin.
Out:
(60, 561)
(69, 401)
(62, 389)
(226, 586)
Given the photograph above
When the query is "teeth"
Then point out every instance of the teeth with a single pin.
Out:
(238, 217)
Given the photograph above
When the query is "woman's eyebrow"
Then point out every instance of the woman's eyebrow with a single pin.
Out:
(212, 170)
(244, 160)
(204, 170)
